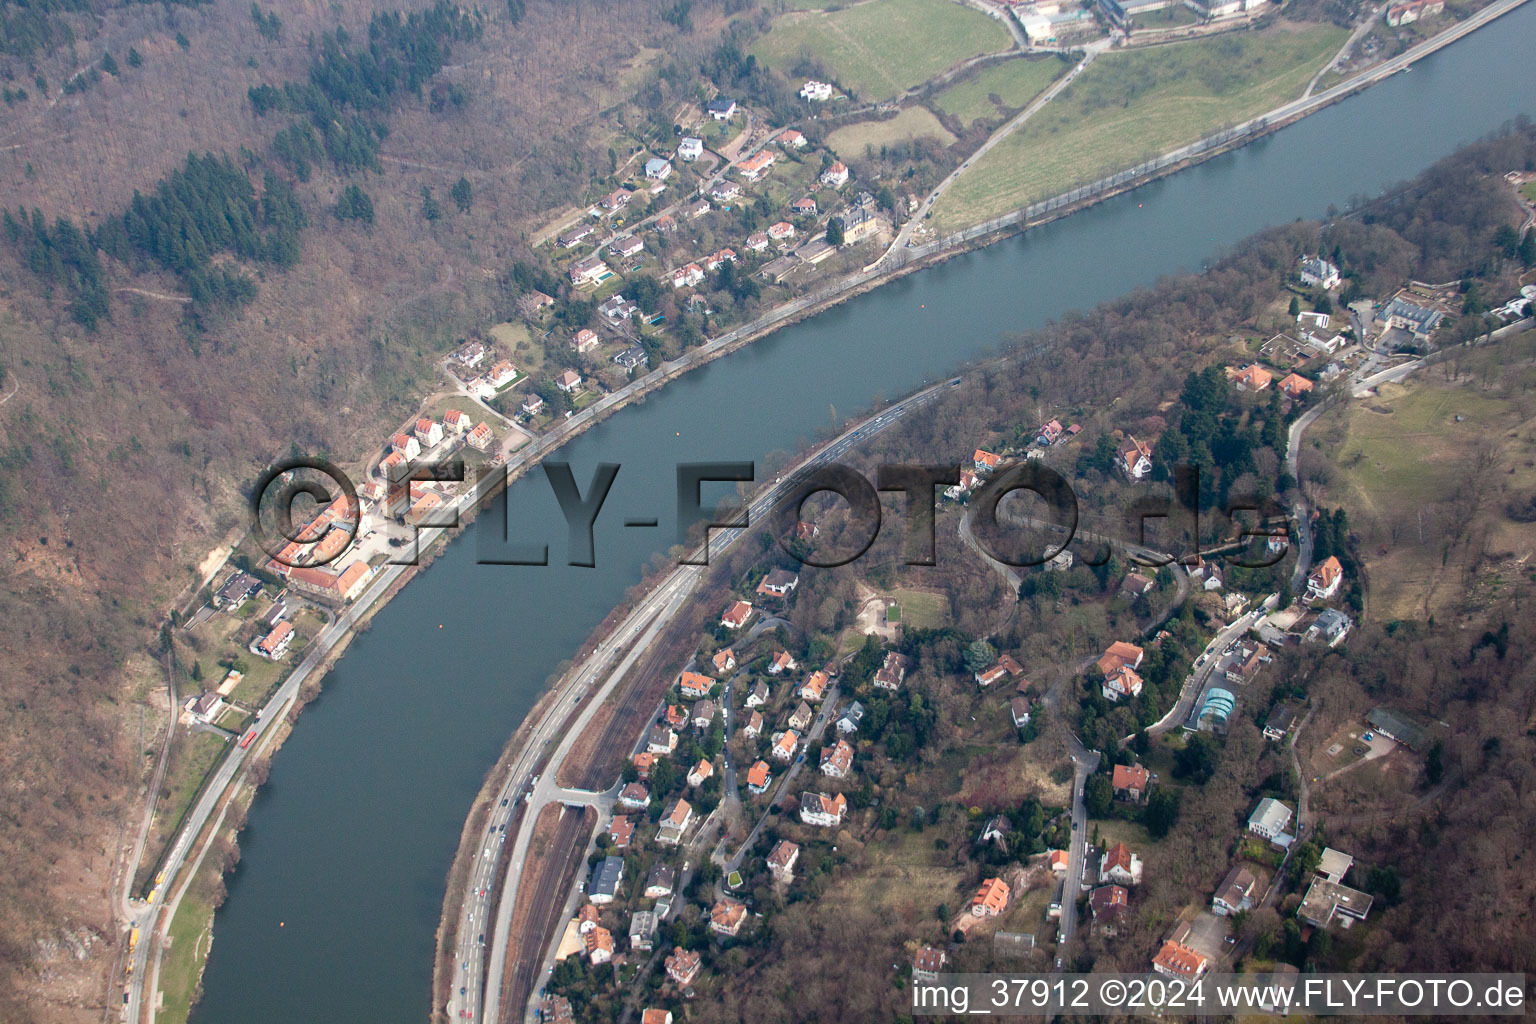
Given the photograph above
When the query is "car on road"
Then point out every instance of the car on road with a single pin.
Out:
(504, 801)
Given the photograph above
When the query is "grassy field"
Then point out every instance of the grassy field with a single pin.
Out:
(1168, 17)
(191, 933)
(1404, 452)
(911, 123)
(922, 610)
(882, 48)
(1528, 190)
(1128, 107)
(998, 91)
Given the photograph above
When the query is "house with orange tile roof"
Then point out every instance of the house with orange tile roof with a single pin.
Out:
(701, 771)
(758, 778)
(835, 176)
(429, 432)
(985, 461)
(1123, 682)
(1120, 865)
(676, 716)
(991, 898)
(599, 944)
(405, 444)
(1130, 781)
(1134, 458)
(837, 760)
(784, 745)
(1294, 385)
(455, 421)
(584, 341)
(822, 810)
(756, 166)
(736, 615)
(1252, 377)
(675, 821)
(781, 230)
(724, 660)
(481, 437)
(1058, 860)
(621, 830)
(652, 1015)
(643, 761)
(1117, 654)
(337, 588)
(586, 919)
(815, 687)
(695, 684)
(727, 916)
(635, 796)
(275, 644)
(928, 963)
(790, 138)
(1323, 582)
(782, 662)
(893, 669)
(1177, 960)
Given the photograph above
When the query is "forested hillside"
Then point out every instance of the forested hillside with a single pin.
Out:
(213, 251)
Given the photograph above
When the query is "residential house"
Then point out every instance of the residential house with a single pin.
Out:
(1130, 781)
(1331, 627)
(1404, 14)
(569, 381)
(642, 762)
(469, 354)
(1235, 893)
(532, 405)
(607, 877)
(635, 796)
(676, 716)
(625, 247)
(674, 822)
(805, 206)
(893, 669)
(725, 192)
(695, 685)
(1316, 272)
(835, 176)
(1395, 727)
(995, 830)
(1135, 584)
(1018, 710)
(333, 587)
(848, 722)
(661, 740)
(1135, 458)
(837, 760)
(616, 200)
(754, 727)
(815, 687)
(659, 882)
(500, 375)
(1245, 665)
(757, 166)
(586, 918)
(690, 149)
(1049, 434)
(1177, 960)
(859, 223)
(779, 583)
(621, 830)
(456, 421)
(781, 231)
(757, 241)
(1058, 860)
(239, 588)
(1294, 385)
(584, 341)
(736, 615)
(759, 778)
(1269, 819)
(1252, 377)
(991, 898)
(701, 771)
(599, 945)
(721, 108)
(985, 461)
(406, 445)
(815, 92)
(577, 234)
(1120, 865)
(727, 916)
(204, 707)
(683, 966)
(782, 662)
(759, 695)
(1280, 720)
(724, 660)
(687, 276)
(1326, 900)
(784, 745)
(928, 963)
(1121, 682)
(275, 644)
(535, 302)
(642, 934)
(718, 258)
(658, 169)
(631, 357)
(666, 224)
(1107, 902)
(781, 861)
(1117, 666)
(1323, 582)
(802, 717)
(616, 307)
(698, 209)
(822, 810)
(588, 270)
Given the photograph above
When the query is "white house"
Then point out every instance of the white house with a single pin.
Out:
(822, 810)
(1318, 272)
(690, 149)
(1269, 819)
(816, 92)
(658, 169)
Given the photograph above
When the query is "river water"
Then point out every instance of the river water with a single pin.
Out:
(332, 911)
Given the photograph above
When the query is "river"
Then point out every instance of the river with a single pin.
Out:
(332, 911)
